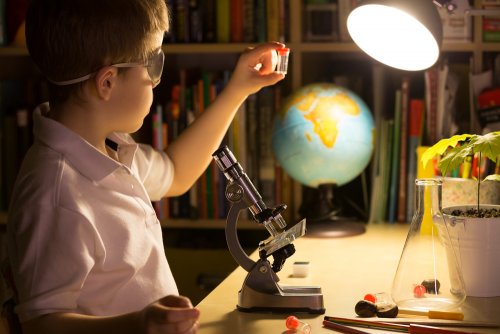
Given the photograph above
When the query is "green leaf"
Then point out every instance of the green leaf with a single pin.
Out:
(453, 158)
(488, 145)
(441, 146)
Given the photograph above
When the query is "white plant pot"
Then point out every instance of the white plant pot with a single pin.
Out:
(476, 243)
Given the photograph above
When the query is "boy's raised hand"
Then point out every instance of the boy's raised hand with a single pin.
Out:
(171, 314)
(255, 68)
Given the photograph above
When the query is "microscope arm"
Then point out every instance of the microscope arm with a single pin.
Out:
(233, 242)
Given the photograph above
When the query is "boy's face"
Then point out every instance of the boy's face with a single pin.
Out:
(133, 96)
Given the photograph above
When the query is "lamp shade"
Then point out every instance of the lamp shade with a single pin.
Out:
(405, 34)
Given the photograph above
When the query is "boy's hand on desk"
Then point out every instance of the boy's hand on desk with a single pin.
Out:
(255, 68)
(171, 314)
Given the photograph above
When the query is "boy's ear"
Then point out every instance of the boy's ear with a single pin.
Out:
(105, 80)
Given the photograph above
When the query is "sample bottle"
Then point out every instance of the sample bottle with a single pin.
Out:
(282, 65)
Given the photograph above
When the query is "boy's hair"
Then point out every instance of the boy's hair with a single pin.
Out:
(68, 39)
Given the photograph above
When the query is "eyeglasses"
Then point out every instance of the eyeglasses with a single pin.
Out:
(154, 66)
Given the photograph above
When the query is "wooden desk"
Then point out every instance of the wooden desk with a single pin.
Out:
(345, 268)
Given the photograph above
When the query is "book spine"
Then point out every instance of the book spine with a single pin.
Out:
(223, 21)
(195, 22)
(248, 21)
(393, 191)
(209, 21)
(261, 21)
(3, 23)
(181, 21)
(414, 138)
(236, 21)
(405, 92)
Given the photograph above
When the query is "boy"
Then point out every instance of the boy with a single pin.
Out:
(85, 245)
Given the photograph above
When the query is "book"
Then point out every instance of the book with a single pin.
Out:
(431, 99)
(265, 155)
(236, 21)
(380, 184)
(403, 152)
(3, 23)
(260, 21)
(414, 141)
(195, 13)
(209, 21)
(393, 190)
(15, 13)
(181, 21)
(273, 21)
(248, 21)
(344, 9)
(222, 16)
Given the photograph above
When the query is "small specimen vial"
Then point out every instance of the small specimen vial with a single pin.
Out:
(282, 66)
(299, 326)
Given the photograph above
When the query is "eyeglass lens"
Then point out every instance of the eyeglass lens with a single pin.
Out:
(155, 67)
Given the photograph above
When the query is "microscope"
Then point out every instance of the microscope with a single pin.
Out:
(260, 291)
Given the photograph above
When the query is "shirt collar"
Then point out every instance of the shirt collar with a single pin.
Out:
(83, 156)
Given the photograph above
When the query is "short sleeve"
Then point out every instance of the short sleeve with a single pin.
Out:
(155, 169)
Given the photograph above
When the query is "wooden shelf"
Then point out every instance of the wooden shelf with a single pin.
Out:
(207, 48)
(208, 224)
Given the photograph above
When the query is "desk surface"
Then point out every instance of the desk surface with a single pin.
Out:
(345, 268)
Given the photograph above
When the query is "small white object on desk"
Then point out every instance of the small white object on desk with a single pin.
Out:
(300, 268)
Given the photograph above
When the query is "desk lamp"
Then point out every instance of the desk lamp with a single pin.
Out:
(405, 34)
(402, 34)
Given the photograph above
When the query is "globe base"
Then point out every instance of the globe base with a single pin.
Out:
(334, 229)
(324, 216)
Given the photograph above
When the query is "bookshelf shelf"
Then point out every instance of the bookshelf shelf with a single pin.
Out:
(203, 224)
(208, 224)
(13, 51)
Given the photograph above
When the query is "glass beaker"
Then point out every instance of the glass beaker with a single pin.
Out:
(428, 276)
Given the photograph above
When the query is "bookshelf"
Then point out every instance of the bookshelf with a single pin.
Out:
(15, 61)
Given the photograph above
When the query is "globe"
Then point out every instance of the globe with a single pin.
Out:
(324, 134)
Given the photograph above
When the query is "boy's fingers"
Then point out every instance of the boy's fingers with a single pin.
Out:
(265, 47)
(263, 55)
(176, 301)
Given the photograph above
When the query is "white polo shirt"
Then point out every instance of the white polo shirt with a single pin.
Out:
(83, 235)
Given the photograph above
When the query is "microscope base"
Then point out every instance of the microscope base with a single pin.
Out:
(298, 299)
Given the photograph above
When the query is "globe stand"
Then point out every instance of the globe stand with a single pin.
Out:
(325, 219)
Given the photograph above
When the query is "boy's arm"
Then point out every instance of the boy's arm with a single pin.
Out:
(192, 151)
(171, 314)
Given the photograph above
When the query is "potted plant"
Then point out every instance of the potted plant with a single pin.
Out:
(474, 230)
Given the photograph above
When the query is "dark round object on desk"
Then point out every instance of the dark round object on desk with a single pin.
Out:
(431, 285)
(388, 311)
(365, 309)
